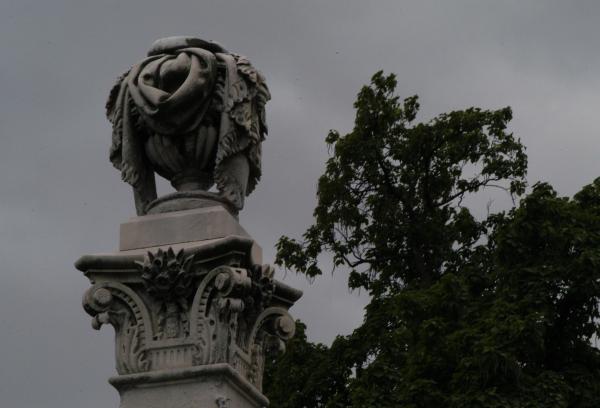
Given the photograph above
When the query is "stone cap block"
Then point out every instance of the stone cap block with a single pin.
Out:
(178, 227)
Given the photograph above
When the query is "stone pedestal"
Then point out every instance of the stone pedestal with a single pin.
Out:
(193, 309)
(214, 385)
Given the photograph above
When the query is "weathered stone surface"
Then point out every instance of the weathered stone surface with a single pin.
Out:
(179, 227)
(215, 386)
(186, 309)
(195, 114)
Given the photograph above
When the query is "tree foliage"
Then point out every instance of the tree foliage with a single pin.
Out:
(464, 311)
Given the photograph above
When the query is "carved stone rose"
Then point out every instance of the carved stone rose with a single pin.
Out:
(193, 113)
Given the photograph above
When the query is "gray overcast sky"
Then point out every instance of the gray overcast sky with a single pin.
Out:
(60, 197)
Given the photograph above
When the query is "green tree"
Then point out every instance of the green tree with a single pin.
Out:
(463, 312)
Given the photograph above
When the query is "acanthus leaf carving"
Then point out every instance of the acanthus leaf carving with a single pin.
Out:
(232, 317)
(206, 128)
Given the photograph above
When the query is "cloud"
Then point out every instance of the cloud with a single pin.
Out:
(60, 197)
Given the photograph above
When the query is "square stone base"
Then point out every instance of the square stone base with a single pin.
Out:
(211, 386)
(186, 229)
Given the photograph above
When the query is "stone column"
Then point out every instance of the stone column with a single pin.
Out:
(194, 310)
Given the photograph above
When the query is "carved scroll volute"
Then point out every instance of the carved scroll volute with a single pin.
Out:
(116, 304)
(233, 321)
(214, 313)
(230, 319)
(272, 329)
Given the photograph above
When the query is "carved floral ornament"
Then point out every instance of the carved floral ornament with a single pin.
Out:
(177, 316)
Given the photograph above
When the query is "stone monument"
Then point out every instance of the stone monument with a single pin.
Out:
(194, 310)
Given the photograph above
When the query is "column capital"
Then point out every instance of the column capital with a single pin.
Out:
(179, 310)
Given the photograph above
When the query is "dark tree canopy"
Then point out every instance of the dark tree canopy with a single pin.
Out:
(389, 201)
(464, 312)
